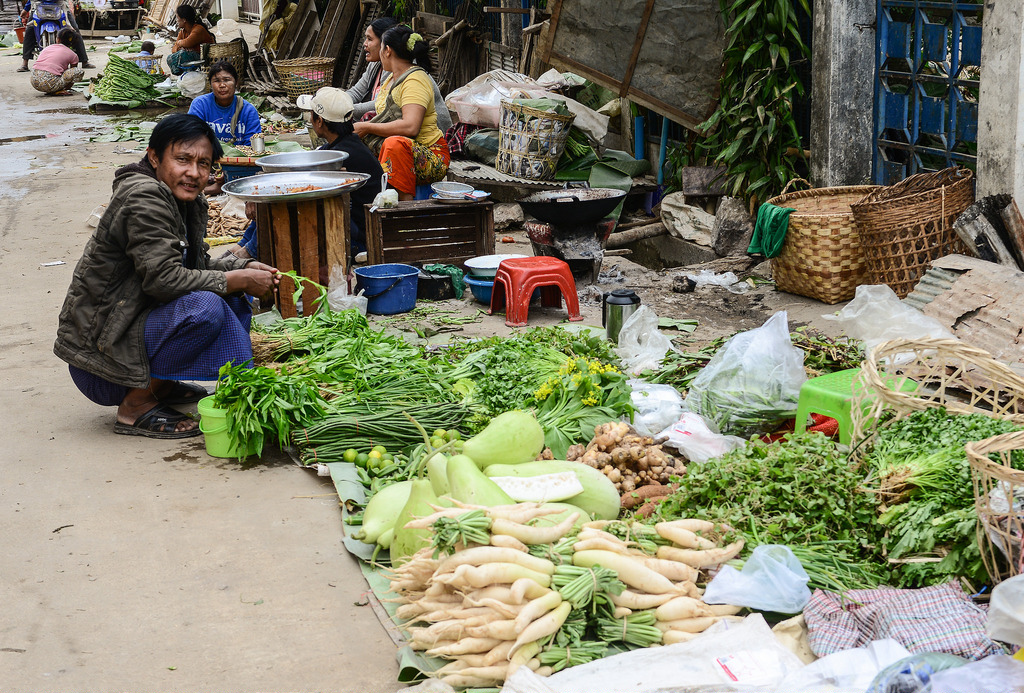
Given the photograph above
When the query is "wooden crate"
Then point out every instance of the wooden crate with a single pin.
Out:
(423, 232)
(310, 237)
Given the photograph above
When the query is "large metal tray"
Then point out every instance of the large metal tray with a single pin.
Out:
(275, 187)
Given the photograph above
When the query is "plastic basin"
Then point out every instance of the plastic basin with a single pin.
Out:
(389, 288)
(481, 288)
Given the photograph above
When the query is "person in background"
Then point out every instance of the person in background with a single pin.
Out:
(233, 119)
(406, 130)
(364, 92)
(56, 67)
(148, 66)
(192, 33)
(28, 47)
(147, 307)
(331, 111)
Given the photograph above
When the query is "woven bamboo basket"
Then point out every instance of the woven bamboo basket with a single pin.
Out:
(947, 373)
(304, 75)
(235, 52)
(999, 501)
(904, 227)
(530, 141)
(821, 257)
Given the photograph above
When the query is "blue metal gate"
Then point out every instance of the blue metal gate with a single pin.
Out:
(926, 86)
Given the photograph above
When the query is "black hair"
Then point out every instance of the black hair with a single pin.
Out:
(182, 127)
(397, 39)
(147, 46)
(381, 24)
(67, 36)
(223, 66)
(340, 129)
(188, 13)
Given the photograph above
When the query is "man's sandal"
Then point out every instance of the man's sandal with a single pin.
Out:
(183, 393)
(158, 422)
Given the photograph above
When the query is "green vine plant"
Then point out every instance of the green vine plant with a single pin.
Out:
(753, 131)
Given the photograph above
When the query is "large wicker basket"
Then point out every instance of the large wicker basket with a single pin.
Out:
(235, 51)
(947, 373)
(821, 257)
(304, 75)
(903, 227)
(999, 501)
(530, 141)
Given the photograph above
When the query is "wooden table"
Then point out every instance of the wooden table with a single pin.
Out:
(310, 237)
(126, 21)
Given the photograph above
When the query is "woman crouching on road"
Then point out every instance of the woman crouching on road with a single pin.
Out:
(147, 306)
(56, 68)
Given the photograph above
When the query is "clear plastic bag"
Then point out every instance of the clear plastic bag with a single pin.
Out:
(1006, 612)
(692, 436)
(641, 345)
(772, 579)
(339, 297)
(753, 383)
(656, 406)
(876, 314)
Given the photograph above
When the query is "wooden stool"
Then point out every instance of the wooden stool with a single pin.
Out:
(308, 237)
(516, 280)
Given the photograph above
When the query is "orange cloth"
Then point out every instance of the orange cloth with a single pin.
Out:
(408, 163)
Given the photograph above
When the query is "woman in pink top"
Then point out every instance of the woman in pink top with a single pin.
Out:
(56, 68)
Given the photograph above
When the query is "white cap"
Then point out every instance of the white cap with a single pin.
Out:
(330, 103)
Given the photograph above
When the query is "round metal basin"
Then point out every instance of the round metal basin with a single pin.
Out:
(317, 160)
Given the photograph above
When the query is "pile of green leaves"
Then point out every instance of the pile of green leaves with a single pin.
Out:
(922, 481)
(263, 404)
(801, 491)
(124, 81)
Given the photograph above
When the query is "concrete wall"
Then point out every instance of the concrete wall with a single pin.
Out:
(842, 92)
(1000, 111)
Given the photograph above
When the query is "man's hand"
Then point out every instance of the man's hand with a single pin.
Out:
(256, 279)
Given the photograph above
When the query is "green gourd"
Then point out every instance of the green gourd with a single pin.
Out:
(382, 511)
(599, 499)
(408, 541)
(437, 472)
(510, 438)
(467, 484)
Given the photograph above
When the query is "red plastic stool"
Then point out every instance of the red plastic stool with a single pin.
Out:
(516, 280)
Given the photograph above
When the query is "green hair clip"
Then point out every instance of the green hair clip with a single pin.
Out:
(411, 43)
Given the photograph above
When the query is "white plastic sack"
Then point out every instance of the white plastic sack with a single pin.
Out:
(1006, 612)
(849, 671)
(753, 383)
(691, 435)
(995, 674)
(729, 656)
(876, 314)
(772, 579)
(339, 297)
(657, 406)
(726, 280)
(641, 345)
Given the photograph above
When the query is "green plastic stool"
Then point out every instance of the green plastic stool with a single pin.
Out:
(832, 395)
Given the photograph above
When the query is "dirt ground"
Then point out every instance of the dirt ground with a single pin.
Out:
(131, 563)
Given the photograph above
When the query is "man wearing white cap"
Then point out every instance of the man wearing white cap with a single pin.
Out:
(331, 110)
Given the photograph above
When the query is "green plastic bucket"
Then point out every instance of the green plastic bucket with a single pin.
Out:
(213, 422)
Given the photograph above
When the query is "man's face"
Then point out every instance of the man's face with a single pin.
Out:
(319, 126)
(184, 167)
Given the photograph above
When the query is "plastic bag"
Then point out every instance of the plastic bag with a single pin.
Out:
(1006, 612)
(912, 673)
(995, 674)
(641, 345)
(726, 280)
(339, 297)
(876, 314)
(692, 436)
(192, 84)
(657, 406)
(753, 383)
(772, 579)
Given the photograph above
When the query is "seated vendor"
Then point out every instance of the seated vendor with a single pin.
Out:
(147, 307)
(233, 119)
(411, 147)
(192, 34)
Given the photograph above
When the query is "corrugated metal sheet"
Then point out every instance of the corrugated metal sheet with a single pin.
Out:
(978, 301)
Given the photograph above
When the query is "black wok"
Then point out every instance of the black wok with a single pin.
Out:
(572, 207)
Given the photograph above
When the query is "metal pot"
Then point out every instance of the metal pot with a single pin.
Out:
(316, 160)
(617, 306)
(572, 207)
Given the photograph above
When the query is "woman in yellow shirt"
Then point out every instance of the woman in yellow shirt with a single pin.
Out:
(410, 146)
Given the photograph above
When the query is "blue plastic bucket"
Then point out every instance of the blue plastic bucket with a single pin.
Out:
(389, 288)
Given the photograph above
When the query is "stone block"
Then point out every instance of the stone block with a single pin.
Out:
(685, 221)
(507, 214)
(732, 229)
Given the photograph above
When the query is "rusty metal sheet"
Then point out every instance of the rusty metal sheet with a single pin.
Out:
(663, 54)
